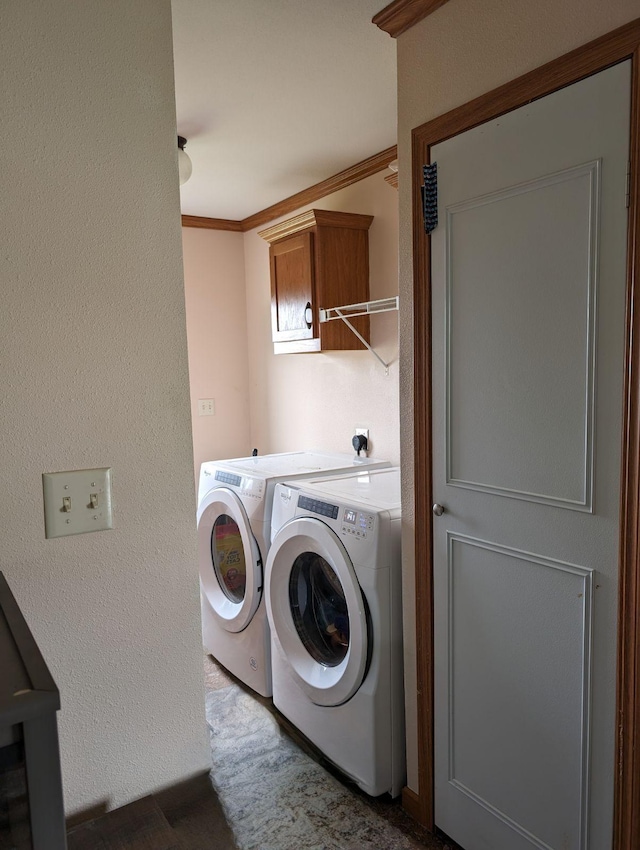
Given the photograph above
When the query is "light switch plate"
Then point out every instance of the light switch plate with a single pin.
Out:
(77, 501)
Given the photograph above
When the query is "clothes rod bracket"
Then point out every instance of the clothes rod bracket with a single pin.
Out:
(364, 308)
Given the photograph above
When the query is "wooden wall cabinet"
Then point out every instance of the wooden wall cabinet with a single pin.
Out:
(319, 259)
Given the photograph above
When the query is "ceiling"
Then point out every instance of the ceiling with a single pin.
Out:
(274, 96)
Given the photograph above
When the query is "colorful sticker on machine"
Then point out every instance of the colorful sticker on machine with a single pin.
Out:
(229, 557)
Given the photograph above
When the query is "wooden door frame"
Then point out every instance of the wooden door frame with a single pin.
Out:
(621, 44)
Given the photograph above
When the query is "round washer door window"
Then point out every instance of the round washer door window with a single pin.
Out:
(229, 559)
(316, 610)
(319, 609)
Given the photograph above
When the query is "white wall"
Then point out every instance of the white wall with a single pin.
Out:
(315, 400)
(94, 373)
(466, 48)
(215, 297)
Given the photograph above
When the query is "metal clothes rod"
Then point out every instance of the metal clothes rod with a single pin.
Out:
(365, 308)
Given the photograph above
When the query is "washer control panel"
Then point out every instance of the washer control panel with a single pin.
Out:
(356, 523)
(251, 487)
(318, 507)
(228, 478)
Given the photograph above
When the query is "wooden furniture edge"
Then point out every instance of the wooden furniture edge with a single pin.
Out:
(311, 218)
(401, 15)
(28, 706)
(609, 49)
(211, 223)
(34, 663)
(392, 179)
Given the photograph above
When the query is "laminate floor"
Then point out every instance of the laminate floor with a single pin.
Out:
(216, 679)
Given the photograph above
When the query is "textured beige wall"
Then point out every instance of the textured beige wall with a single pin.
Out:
(93, 372)
(215, 297)
(301, 401)
(466, 48)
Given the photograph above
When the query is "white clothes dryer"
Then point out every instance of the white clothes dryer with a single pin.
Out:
(334, 605)
(234, 519)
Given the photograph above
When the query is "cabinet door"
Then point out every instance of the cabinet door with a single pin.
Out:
(293, 314)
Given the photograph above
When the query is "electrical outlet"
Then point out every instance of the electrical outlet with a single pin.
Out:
(365, 446)
(206, 407)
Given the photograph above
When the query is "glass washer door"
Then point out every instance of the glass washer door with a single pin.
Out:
(316, 610)
(229, 559)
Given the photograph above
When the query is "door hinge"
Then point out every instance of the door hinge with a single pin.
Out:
(628, 194)
(429, 191)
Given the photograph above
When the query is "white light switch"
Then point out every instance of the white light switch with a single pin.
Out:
(77, 501)
(206, 407)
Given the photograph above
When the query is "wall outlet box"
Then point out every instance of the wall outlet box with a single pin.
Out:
(77, 501)
(206, 407)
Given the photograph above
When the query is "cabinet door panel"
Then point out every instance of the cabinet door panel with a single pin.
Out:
(292, 288)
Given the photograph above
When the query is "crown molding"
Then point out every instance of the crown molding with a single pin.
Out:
(316, 218)
(401, 15)
(365, 168)
(211, 223)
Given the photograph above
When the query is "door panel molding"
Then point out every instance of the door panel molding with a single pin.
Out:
(585, 578)
(621, 44)
(582, 475)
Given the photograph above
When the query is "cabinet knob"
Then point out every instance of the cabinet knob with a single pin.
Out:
(308, 314)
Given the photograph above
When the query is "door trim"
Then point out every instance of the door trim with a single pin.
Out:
(621, 44)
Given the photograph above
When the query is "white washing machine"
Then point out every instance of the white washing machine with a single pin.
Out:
(334, 605)
(234, 521)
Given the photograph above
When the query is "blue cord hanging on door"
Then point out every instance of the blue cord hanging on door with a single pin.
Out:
(429, 191)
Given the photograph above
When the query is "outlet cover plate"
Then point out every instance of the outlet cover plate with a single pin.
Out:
(77, 501)
(206, 407)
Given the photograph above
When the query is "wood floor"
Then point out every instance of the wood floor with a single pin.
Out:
(188, 817)
(138, 826)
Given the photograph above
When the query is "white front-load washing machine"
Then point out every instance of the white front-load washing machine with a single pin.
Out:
(234, 521)
(334, 605)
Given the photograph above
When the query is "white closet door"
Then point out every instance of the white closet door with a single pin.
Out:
(528, 352)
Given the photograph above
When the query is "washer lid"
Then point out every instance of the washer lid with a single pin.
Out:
(305, 463)
(229, 559)
(317, 611)
(373, 489)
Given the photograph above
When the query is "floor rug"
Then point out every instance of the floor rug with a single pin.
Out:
(274, 795)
